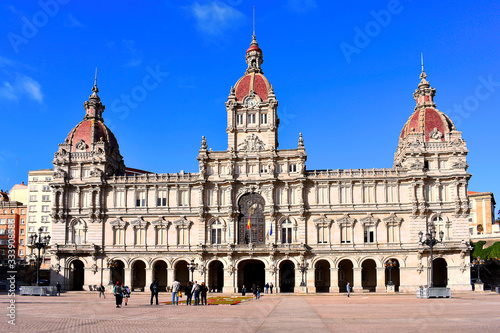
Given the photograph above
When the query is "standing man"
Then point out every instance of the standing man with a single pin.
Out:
(176, 287)
(101, 291)
(154, 291)
(348, 289)
(58, 286)
(271, 285)
(203, 292)
(196, 291)
(267, 287)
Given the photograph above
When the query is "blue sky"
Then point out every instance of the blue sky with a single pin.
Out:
(343, 72)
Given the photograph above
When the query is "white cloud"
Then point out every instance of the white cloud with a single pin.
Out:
(18, 86)
(215, 17)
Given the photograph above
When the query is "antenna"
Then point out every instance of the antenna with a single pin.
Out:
(95, 80)
(422, 60)
(253, 20)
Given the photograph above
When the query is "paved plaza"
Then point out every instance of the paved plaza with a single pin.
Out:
(85, 312)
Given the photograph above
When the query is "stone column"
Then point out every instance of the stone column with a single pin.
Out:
(357, 286)
(380, 280)
(334, 280)
(149, 278)
(127, 277)
(170, 276)
(310, 278)
(230, 282)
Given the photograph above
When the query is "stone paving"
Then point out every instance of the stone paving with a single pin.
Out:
(85, 312)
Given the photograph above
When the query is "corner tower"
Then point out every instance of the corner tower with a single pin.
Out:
(252, 118)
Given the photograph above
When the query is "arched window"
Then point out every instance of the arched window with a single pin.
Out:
(78, 232)
(286, 232)
(216, 232)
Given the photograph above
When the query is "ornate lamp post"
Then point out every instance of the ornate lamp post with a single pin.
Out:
(431, 240)
(191, 267)
(478, 263)
(111, 264)
(390, 265)
(303, 268)
(40, 242)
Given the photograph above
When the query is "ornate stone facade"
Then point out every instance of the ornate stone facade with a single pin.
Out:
(255, 214)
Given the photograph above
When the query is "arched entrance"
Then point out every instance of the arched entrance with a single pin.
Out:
(440, 273)
(138, 275)
(215, 276)
(369, 275)
(393, 275)
(182, 273)
(251, 272)
(117, 272)
(287, 276)
(345, 275)
(76, 275)
(251, 206)
(160, 274)
(322, 276)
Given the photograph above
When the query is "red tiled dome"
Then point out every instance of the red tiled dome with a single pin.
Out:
(91, 131)
(252, 81)
(426, 121)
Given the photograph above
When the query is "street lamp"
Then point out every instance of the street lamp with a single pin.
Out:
(191, 267)
(111, 264)
(390, 265)
(303, 268)
(478, 263)
(39, 242)
(431, 240)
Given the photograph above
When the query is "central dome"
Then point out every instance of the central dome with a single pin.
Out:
(255, 82)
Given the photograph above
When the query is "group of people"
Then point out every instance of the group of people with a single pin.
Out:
(121, 292)
(196, 290)
(256, 289)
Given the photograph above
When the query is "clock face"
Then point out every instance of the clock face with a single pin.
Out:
(252, 102)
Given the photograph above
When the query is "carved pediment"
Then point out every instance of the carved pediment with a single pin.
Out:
(183, 222)
(81, 145)
(118, 223)
(346, 220)
(161, 222)
(251, 144)
(139, 223)
(369, 219)
(393, 219)
(323, 221)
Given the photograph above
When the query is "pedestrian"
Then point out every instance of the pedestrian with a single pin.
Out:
(258, 291)
(348, 289)
(126, 294)
(267, 287)
(176, 287)
(196, 291)
(101, 290)
(154, 291)
(254, 291)
(188, 293)
(203, 292)
(58, 286)
(117, 291)
(243, 290)
(271, 287)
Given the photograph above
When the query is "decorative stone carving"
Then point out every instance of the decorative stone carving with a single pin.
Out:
(203, 143)
(56, 268)
(420, 268)
(251, 144)
(81, 145)
(435, 134)
(95, 172)
(94, 268)
(59, 173)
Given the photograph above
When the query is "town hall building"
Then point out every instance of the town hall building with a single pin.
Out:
(255, 214)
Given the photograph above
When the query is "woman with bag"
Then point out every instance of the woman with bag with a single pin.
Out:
(126, 294)
(117, 291)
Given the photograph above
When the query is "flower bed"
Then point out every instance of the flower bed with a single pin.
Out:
(229, 300)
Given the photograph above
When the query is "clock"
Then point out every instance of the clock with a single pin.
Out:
(251, 102)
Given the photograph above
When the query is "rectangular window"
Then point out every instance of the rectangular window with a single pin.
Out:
(74, 173)
(222, 197)
(45, 219)
(22, 222)
(21, 252)
(278, 196)
(45, 198)
(32, 197)
(118, 236)
(292, 196)
(31, 229)
(2, 231)
(428, 193)
(23, 211)
(45, 229)
(140, 235)
(239, 119)
(322, 234)
(369, 234)
(48, 178)
(120, 199)
(21, 242)
(251, 119)
(292, 167)
(32, 208)
(444, 193)
(32, 218)
(345, 234)
(46, 188)
(182, 235)
(35, 179)
(161, 236)
(210, 197)
(33, 188)
(183, 198)
(22, 232)
(161, 201)
(2, 221)
(263, 118)
(2, 241)
(369, 194)
(323, 195)
(216, 236)
(140, 199)
(45, 208)
(392, 234)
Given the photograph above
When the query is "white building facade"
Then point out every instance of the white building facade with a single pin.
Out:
(255, 214)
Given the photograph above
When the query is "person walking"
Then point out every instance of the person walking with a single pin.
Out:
(271, 287)
(203, 292)
(196, 291)
(348, 289)
(188, 293)
(258, 291)
(117, 291)
(267, 288)
(58, 286)
(254, 291)
(101, 290)
(243, 290)
(176, 287)
(126, 294)
(154, 291)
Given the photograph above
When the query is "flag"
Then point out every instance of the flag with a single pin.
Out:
(249, 225)
(271, 231)
(229, 229)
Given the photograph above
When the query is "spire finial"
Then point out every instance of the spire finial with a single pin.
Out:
(253, 21)
(94, 88)
(422, 60)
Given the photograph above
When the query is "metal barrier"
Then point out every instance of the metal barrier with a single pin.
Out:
(38, 291)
